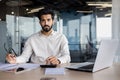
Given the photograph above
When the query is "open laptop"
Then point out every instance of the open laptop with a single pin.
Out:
(104, 58)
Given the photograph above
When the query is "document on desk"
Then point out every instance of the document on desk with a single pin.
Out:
(17, 68)
(6, 66)
(54, 71)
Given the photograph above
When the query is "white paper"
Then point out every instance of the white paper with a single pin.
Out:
(54, 71)
(6, 66)
(28, 66)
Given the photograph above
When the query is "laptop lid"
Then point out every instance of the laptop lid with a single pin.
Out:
(105, 55)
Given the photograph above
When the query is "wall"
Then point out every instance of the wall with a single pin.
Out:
(116, 24)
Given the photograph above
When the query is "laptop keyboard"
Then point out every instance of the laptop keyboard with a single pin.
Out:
(90, 66)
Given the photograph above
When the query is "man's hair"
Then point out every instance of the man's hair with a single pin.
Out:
(44, 12)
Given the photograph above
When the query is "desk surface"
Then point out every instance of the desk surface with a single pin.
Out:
(111, 73)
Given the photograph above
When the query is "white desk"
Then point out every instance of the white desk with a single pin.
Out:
(112, 73)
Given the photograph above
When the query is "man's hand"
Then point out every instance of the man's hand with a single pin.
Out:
(52, 60)
(11, 58)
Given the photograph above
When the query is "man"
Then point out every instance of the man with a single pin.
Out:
(47, 46)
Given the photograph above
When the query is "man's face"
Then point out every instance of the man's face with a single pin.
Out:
(46, 22)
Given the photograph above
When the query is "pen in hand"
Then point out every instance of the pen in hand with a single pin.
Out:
(11, 58)
(10, 50)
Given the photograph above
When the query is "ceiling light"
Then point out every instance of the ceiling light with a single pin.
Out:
(35, 10)
(102, 4)
(107, 5)
(27, 9)
(100, 7)
(85, 11)
(12, 12)
(18, 2)
(108, 14)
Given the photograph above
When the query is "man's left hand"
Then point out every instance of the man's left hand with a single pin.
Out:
(52, 60)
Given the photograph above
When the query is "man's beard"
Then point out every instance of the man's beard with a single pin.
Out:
(46, 28)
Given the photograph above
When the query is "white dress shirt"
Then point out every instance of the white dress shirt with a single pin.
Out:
(39, 47)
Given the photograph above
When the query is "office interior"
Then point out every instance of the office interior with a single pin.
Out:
(84, 22)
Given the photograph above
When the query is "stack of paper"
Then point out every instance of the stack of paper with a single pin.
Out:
(18, 68)
(54, 71)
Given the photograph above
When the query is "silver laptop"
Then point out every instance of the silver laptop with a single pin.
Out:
(104, 58)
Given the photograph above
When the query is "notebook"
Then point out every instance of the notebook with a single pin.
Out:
(104, 58)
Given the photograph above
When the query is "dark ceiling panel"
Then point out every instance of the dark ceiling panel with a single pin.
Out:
(20, 6)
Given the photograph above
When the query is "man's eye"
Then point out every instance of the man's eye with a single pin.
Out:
(42, 20)
(48, 20)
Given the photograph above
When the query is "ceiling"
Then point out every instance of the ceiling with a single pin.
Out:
(29, 7)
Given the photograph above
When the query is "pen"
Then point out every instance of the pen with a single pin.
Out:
(13, 52)
(10, 50)
(12, 56)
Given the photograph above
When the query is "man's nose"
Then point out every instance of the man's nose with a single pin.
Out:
(46, 22)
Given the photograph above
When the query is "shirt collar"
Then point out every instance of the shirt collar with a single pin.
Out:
(52, 33)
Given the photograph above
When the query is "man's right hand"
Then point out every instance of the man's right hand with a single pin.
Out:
(11, 58)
